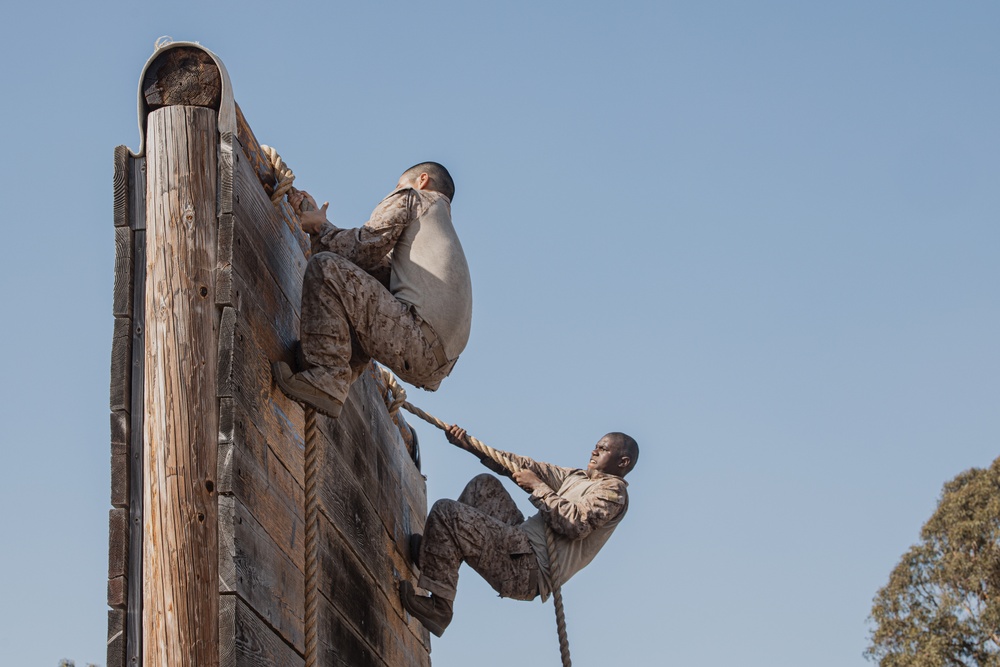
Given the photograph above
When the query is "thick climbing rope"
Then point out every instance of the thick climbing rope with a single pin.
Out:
(282, 174)
(312, 536)
(395, 398)
(285, 177)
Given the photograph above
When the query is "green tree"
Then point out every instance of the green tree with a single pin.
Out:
(941, 607)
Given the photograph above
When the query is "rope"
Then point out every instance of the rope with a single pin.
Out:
(285, 177)
(398, 400)
(312, 536)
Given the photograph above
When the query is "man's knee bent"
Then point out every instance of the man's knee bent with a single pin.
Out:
(483, 482)
(324, 266)
(442, 508)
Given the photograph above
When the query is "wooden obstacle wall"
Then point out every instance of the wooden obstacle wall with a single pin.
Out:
(206, 555)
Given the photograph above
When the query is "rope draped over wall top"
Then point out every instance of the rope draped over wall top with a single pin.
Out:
(395, 398)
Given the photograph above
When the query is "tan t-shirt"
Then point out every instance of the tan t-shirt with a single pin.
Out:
(409, 242)
(430, 272)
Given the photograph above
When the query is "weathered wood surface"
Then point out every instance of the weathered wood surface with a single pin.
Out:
(207, 454)
(180, 542)
(183, 76)
(136, 410)
(247, 641)
(120, 436)
(117, 543)
(253, 567)
(117, 656)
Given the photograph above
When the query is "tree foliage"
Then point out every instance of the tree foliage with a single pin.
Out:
(941, 607)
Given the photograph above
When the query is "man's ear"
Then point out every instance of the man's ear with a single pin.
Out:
(422, 182)
(624, 462)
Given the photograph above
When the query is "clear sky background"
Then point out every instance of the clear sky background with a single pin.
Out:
(760, 237)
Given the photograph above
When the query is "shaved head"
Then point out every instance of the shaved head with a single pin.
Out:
(627, 446)
(440, 178)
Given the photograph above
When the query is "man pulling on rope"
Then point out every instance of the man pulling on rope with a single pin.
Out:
(485, 529)
(396, 289)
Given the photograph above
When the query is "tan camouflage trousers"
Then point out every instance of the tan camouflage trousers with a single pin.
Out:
(482, 529)
(348, 318)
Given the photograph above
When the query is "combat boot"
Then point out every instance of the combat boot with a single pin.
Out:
(302, 391)
(434, 612)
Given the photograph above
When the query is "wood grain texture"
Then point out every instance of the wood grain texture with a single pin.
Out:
(275, 238)
(252, 566)
(117, 542)
(120, 435)
(254, 154)
(180, 541)
(251, 471)
(184, 75)
(370, 604)
(121, 364)
(339, 644)
(118, 592)
(136, 486)
(116, 638)
(122, 300)
(137, 196)
(121, 185)
(247, 641)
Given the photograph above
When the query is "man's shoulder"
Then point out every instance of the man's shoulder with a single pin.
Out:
(612, 488)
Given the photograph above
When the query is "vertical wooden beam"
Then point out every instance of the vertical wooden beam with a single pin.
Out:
(180, 541)
(137, 221)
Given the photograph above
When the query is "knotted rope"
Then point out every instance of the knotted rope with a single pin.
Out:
(395, 398)
(282, 174)
(285, 177)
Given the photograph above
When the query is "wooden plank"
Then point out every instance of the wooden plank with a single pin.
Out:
(180, 545)
(118, 592)
(260, 165)
(338, 644)
(259, 339)
(251, 471)
(227, 332)
(344, 502)
(370, 605)
(247, 641)
(121, 364)
(136, 222)
(122, 299)
(116, 638)
(121, 186)
(366, 441)
(252, 566)
(120, 436)
(117, 542)
(259, 162)
(279, 243)
(225, 293)
(137, 198)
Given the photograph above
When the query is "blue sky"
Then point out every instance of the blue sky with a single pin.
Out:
(760, 237)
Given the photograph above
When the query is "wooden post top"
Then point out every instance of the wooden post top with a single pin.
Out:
(188, 74)
(182, 76)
